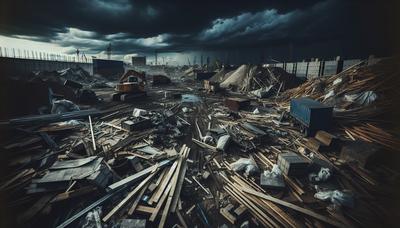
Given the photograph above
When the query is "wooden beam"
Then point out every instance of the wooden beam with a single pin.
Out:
(163, 185)
(171, 193)
(145, 209)
(160, 203)
(181, 178)
(137, 200)
(91, 132)
(73, 193)
(128, 197)
(167, 190)
(181, 219)
(295, 207)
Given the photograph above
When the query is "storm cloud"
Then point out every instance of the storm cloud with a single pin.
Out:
(174, 26)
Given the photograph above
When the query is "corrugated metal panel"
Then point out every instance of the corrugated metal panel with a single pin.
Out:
(330, 68)
(313, 69)
(289, 67)
(350, 62)
(301, 69)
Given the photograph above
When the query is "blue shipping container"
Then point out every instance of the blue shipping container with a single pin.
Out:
(312, 114)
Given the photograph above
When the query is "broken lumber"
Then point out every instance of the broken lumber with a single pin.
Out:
(295, 207)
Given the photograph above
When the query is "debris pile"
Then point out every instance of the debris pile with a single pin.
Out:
(364, 98)
(182, 157)
(256, 80)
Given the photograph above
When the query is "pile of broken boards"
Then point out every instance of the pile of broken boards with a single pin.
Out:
(132, 167)
(260, 170)
(111, 168)
(258, 81)
(365, 100)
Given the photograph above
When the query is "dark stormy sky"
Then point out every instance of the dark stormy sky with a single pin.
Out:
(237, 31)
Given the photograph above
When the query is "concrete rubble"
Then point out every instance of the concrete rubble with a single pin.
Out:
(186, 155)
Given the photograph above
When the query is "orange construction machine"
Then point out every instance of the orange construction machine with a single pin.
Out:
(131, 85)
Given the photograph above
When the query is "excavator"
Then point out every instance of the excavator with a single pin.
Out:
(131, 85)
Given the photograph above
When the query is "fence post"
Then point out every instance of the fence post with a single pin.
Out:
(339, 65)
(321, 68)
(307, 65)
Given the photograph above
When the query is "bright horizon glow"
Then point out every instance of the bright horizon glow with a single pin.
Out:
(30, 45)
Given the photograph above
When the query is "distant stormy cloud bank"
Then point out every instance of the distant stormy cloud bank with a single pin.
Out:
(357, 27)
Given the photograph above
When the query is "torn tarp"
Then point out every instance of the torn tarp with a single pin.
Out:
(337, 197)
(72, 163)
(247, 164)
(62, 106)
(223, 142)
(263, 92)
(71, 170)
(364, 98)
(253, 129)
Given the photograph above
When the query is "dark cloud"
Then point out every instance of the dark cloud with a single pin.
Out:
(146, 26)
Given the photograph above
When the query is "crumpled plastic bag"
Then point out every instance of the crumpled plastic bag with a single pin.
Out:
(337, 197)
(262, 92)
(70, 123)
(62, 106)
(247, 164)
(208, 139)
(337, 81)
(329, 95)
(275, 171)
(223, 142)
(256, 111)
(323, 175)
(186, 109)
(274, 174)
(138, 112)
(92, 219)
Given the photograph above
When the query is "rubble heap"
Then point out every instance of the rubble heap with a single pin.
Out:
(181, 157)
(364, 97)
(256, 80)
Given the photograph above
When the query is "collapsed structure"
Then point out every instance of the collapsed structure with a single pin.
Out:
(234, 151)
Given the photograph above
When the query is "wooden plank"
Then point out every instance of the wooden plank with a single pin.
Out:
(73, 193)
(242, 199)
(181, 219)
(137, 200)
(128, 197)
(115, 126)
(163, 185)
(295, 207)
(272, 209)
(224, 212)
(256, 212)
(326, 138)
(181, 178)
(137, 176)
(204, 145)
(91, 132)
(240, 210)
(167, 190)
(160, 203)
(171, 193)
(145, 209)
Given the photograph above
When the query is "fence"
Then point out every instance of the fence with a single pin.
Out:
(38, 55)
(317, 68)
